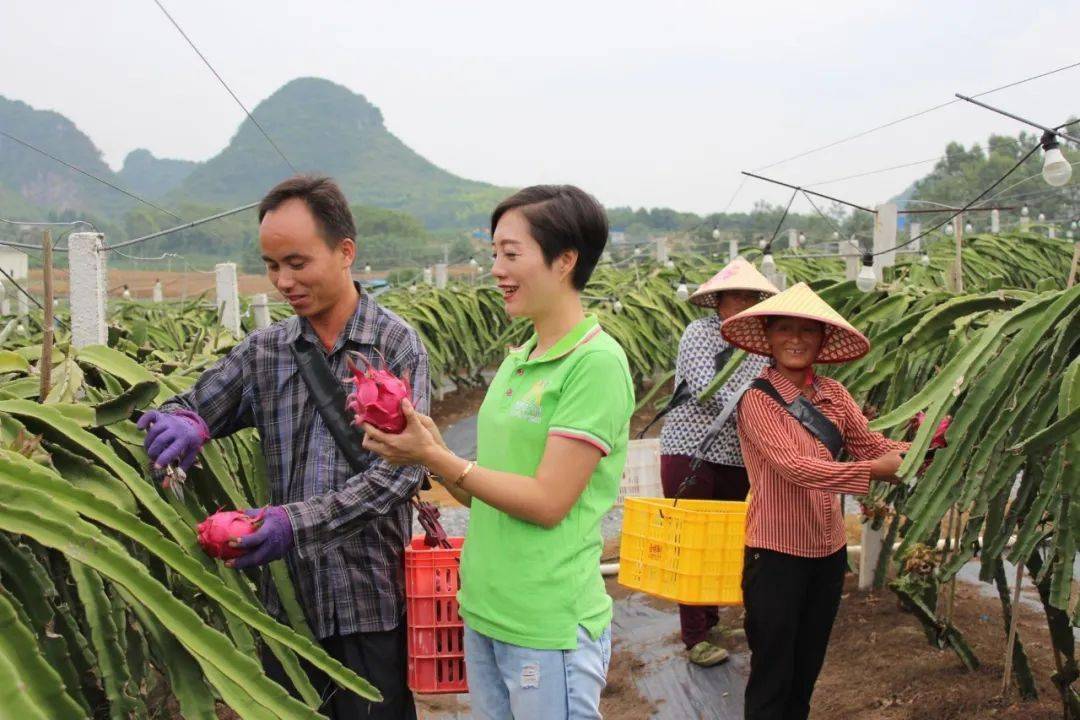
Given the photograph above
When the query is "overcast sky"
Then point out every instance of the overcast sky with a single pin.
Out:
(641, 103)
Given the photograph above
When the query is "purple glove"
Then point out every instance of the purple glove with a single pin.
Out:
(270, 542)
(173, 436)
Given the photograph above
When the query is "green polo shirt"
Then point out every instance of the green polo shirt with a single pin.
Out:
(521, 583)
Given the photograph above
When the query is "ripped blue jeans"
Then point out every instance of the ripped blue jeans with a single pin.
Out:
(507, 682)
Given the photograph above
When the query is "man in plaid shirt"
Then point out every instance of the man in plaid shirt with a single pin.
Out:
(342, 533)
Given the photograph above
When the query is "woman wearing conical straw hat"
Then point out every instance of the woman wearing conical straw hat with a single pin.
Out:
(720, 474)
(796, 554)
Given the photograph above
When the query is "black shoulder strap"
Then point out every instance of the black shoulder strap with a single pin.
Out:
(327, 393)
(683, 394)
(808, 416)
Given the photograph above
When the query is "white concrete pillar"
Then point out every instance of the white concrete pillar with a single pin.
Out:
(89, 286)
(732, 249)
(916, 231)
(158, 292)
(661, 250)
(852, 258)
(995, 221)
(260, 308)
(441, 275)
(1025, 222)
(1051, 232)
(429, 276)
(228, 297)
(792, 238)
(884, 238)
(868, 558)
(5, 304)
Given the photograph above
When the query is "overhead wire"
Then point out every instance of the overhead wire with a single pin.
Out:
(226, 86)
(912, 116)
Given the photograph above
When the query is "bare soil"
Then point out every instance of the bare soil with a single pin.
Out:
(880, 665)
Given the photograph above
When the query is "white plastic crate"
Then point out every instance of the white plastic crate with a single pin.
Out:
(641, 476)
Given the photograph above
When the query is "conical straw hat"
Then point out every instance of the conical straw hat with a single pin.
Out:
(842, 341)
(738, 274)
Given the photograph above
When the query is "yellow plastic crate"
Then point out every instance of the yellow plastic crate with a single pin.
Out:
(690, 551)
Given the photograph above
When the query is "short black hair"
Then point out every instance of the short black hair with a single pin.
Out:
(561, 217)
(325, 201)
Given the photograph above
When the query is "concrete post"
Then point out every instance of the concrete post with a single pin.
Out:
(89, 286)
(884, 238)
(732, 249)
(661, 250)
(916, 231)
(995, 221)
(441, 275)
(853, 258)
(228, 297)
(792, 238)
(260, 309)
(429, 276)
(1051, 232)
(868, 558)
(5, 304)
(1025, 222)
(159, 292)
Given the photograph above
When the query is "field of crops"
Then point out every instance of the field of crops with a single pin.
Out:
(108, 605)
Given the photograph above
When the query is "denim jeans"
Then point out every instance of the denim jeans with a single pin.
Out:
(510, 682)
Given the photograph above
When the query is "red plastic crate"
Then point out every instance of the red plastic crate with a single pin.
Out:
(436, 632)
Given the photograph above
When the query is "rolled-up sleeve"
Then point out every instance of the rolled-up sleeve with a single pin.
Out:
(329, 519)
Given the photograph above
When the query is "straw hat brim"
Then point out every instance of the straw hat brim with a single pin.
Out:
(842, 342)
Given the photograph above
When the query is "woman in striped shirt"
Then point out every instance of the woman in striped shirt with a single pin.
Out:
(796, 553)
(720, 474)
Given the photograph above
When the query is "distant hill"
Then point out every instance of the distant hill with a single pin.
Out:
(325, 127)
(30, 181)
(321, 126)
(152, 177)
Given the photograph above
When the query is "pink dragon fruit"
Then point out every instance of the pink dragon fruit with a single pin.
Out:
(377, 398)
(938, 441)
(216, 531)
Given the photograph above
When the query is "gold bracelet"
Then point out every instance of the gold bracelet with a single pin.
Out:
(464, 474)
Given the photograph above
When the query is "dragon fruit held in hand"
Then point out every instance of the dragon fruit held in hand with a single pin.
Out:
(377, 398)
(216, 531)
(938, 441)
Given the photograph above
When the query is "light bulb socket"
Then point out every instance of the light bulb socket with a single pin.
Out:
(1049, 141)
(867, 260)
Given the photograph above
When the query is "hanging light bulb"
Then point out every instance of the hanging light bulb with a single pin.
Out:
(606, 257)
(1024, 211)
(925, 259)
(670, 264)
(802, 238)
(367, 268)
(950, 229)
(682, 292)
(836, 236)
(866, 280)
(1042, 217)
(768, 265)
(716, 233)
(637, 251)
(1073, 225)
(969, 228)
(1056, 169)
(617, 307)
(1069, 234)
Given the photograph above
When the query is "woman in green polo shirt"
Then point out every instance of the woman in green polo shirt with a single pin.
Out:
(551, 444)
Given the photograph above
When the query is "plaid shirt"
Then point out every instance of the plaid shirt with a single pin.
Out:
(350, 530)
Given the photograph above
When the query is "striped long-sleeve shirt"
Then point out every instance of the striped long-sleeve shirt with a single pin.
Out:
(794, 481)
(350, 529)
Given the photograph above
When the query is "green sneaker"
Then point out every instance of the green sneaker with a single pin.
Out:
(706, 654)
